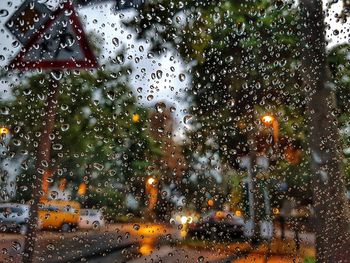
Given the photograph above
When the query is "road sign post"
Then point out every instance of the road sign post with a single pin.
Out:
(42, 161)
(55, 42)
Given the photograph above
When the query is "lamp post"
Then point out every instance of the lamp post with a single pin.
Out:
(152, 192)
(270, 120)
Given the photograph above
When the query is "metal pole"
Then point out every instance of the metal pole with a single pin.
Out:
(251, 189)
(275, 128)
(42, 164)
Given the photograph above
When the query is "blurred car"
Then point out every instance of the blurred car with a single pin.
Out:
(14, 217)
(218, 224)
(59, 214)
(91, 218)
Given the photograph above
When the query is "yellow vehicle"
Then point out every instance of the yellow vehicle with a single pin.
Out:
(57, 214)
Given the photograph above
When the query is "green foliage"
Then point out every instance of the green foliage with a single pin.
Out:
(246, 62)
(309, 260)
(94, 135)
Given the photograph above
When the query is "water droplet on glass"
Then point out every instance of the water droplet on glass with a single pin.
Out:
(5, 110)
(27, 92)
(4, 12)
(65, 127)
(159, 74)
(182, 77)
(111, 95)
(57, 75)
(15, 43)
(54, 194)
(98, 166)
(57, 146)
(200, 259)
(17, 142)
(187, 118)
(115, 42)
(16, 245)
(160, 107)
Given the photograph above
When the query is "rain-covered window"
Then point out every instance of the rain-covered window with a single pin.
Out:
(174, 131)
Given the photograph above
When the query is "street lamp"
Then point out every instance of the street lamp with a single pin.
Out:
(151, 181)
(4, 131)
(270, 120)
(152, 192)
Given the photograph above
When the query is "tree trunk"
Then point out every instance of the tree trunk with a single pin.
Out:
(332, 229)
(42, 164)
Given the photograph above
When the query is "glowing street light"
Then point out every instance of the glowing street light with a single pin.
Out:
(151, 181)
(152, 193)
(267, 119)
(4, 130)
(270, 120)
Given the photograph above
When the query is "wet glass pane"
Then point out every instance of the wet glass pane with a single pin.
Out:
(174, 131)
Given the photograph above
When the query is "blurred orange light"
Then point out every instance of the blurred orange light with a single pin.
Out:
(4, 130)
(151, 181)
(82, 189)
(267, 119)
(275, 211)
(135, 117)
(210, 202)
(238, 213)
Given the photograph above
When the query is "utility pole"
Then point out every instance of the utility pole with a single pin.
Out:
(331, 208)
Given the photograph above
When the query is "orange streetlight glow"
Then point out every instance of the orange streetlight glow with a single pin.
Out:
(270, 120)
(151, 181)
(4, 130)
(135, 117)
(82, 189)
(267, 119)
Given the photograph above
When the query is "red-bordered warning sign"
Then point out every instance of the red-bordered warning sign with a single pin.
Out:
(59, 44)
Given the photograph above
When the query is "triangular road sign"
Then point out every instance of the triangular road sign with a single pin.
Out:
(59, 44)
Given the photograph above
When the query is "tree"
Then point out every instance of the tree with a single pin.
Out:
(93, 130)
(259, 55)
(333, 230)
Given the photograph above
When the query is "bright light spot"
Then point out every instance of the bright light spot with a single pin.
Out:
(238, 213)
(146, 249)
(151, 181)
(275, 211)
(4, 131)
(183, 219)
(82, 189)
(267, 119)
(135, 117)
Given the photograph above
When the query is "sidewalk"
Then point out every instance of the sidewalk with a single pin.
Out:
(282, 251)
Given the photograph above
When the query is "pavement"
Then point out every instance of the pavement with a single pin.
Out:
(139, 243)
(56, 247)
